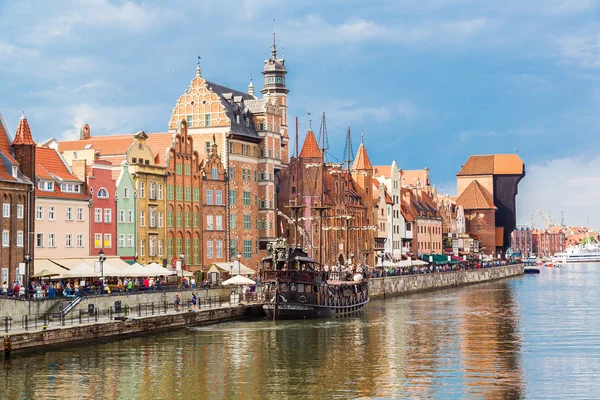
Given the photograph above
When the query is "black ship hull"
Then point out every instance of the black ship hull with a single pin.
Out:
(309, 311)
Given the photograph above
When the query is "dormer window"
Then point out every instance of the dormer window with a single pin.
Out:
(247, 122)
(46, 186)
(102, 193)
(70, 188)
(15, 171)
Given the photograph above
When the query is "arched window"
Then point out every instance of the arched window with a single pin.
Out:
(103, 193)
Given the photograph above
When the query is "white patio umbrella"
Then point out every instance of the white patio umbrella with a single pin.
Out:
(239, 280)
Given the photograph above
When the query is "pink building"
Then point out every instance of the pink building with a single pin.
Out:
(61, 209)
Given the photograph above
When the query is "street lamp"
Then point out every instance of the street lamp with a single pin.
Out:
(27, 258)
(101, 258)
(182, 261)
(238, 256)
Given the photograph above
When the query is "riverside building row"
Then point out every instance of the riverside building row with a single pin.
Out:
(216, 186)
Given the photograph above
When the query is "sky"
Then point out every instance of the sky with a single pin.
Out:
(429, 82)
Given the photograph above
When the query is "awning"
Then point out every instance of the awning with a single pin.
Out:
(41, 264)
(231, 267)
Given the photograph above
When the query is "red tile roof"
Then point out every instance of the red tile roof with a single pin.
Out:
(23, 134)
(50, 165)
(310, 148)
(494, 164)
(362, 162)
(385, 170)
(475, 197)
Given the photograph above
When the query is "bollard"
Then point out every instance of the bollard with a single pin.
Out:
(7, 326)
(96, 314)
(152, 308)
(25, 319)
(139, 309)
(7, 346)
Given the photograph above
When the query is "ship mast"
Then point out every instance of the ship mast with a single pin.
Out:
(321, 208)
(296, 207)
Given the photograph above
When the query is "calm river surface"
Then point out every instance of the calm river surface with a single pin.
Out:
(529, 337)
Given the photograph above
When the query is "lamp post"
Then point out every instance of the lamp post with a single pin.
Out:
(237, 262)
(102, 258)
(27, 258)
(182, 261)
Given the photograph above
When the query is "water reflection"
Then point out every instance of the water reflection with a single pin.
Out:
(462, 343)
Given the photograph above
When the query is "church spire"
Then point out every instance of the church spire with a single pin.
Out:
(274, 48)
(23, 134)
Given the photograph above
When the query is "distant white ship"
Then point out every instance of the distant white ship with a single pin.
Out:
(588, 253)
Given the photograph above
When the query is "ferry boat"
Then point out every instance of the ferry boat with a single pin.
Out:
(296, 287)
(589, 253)
(532, 266)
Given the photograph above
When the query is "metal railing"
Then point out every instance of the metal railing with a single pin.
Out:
(30, 322)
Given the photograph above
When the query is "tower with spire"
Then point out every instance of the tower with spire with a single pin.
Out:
(274, 89)
(24, 148)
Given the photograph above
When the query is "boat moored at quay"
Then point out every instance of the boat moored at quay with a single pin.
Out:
(296, 287)
(589, 253)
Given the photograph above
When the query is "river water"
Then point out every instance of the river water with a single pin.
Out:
(536, 336)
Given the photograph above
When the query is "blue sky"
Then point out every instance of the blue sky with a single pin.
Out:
(431, 82)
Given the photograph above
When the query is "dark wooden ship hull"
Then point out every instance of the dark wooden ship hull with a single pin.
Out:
(309, 311)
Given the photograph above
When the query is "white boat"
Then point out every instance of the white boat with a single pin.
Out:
(532, 266)
(589, 253)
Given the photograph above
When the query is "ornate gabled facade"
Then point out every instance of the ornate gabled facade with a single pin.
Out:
(218, 224)
(16, 200)
(252, 140)
(126, 213)
(184, 200)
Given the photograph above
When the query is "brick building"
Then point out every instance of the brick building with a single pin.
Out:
(487, 187)
(521, 242)
(16, 200)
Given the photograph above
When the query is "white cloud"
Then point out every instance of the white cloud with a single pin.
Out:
(583, 50)
(570, 185)
(105, 119)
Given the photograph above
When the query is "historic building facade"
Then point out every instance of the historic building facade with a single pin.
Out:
(126, 213)
(184, 200)
(16, 200)
(103, 216)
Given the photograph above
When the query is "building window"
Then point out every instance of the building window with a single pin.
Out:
(142, 190)
(233, 221)
(230, 147)
(179, 193)
(196, 194)
(39, 240)
(219, 197)
(51, 213)
(51, 240)
(188, 170)
(179, 219)
(5, 238)
(20, 211)
(102, 193)
(215, 174)
(196, 255)
(19, 238)
(152, 218)
(107, 216)
(207, 147)
(125, 193)
(130, 241)
(188, 193)
(209, 197)
(196, 217)
(39, 212)
(142, 218)
(206, 119)
(219, 222)
(170, 192)
(247, 222)
(121, 216)
(121, 241)
(80, 214)
(177, 169)
(247, 248)
(209, 223)
(232, 197)
(160, 219)
(219, 249)
(160, 248)
(97, 215)
(152, 246)
(68, 240)
(188, 219)
(210, 251)
(130, 216)
(246, 198)
(160, 191)
(142, 247)
(152, 190)
(169, 219)
(178, 249)
(189, 120)
(98, 240)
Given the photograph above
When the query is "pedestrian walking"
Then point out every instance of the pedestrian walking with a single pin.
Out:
(194, 301)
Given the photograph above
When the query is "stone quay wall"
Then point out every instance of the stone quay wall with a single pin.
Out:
(16, 309)
(401, 285)
(133, 326)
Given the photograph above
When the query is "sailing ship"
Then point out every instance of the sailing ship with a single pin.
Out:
(296, 287)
